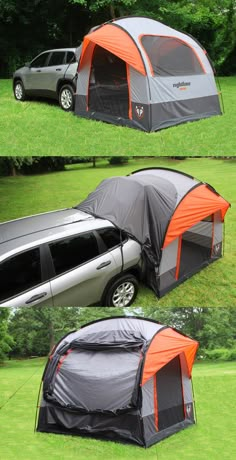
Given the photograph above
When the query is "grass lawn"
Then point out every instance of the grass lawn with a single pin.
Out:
(42, 128)
(213, 286)
(213, 438)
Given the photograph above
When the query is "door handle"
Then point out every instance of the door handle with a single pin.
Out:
(104, 264)
(38, 70)
(36, 297)
(58, 70)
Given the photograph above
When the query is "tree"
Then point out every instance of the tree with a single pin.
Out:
(6, 341)
(115, 8)
(212, 327)
(11, 166)
(36, 330)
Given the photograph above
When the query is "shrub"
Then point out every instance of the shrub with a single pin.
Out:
(118, 160)
(223, 354)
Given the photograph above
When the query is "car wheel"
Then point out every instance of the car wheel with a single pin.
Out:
(66, 98)
(19, 91)
(122, 292)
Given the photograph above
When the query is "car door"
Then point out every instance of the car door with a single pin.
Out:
(34, 76)
(54, 70)
(22, 281)
(82, 270)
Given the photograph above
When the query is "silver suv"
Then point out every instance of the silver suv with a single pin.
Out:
(51, 74)
(67, 258)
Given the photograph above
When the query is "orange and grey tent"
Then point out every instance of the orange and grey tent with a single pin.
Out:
(177, 220)
(138, 72)
(121, 378)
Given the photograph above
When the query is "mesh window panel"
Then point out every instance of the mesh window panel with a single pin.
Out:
(108, 86)
(169, 395)
(171, 57)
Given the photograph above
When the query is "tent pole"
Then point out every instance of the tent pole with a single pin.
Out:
(194, 405)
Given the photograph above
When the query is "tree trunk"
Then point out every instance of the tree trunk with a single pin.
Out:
(112, 11)
(51, 334)
(94, 162)
(13, 170)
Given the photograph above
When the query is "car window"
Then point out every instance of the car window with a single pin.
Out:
(111, 236)
(40, 61)
(57, 58)
(70, 58)
(71, 252)
(20, 273)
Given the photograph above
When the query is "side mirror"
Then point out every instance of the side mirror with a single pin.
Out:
(27, 64)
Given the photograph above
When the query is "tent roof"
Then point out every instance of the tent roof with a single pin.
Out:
(122, 37)
(164, 342)
(118, 42)
(154, 206)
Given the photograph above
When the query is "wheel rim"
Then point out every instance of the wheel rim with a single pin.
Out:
(66, 99)
(123, 294)
(18, 91)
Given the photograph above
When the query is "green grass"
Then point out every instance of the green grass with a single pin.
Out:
(213, 286)
(213, 438)
(42, 128)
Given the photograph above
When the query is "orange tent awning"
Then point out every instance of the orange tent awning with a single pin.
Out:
(118, 42)
(165, 346)
(198, 204)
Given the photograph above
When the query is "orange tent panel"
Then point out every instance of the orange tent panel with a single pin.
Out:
(198, 204)
(118, 42)
(165, 346)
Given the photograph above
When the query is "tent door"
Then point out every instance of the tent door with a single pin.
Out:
(196, 247)
(108, 84)
(169, 395)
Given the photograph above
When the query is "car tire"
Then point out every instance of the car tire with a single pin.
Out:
(67, 98)
(19, 91)
(122, 292)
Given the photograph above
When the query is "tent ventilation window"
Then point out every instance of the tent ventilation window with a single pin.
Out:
(171, 57)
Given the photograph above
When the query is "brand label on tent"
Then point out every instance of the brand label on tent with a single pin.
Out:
(182, 85)
(139, 109)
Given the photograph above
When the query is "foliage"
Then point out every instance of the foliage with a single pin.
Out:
(118, 160)
(222, 354)
(6, 341)
(10, 166)
(212, 327)
(36, 330)
(28, 27)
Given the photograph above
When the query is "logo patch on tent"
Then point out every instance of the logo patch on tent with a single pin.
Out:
(139, 109)
(188, 410)
(217, 248)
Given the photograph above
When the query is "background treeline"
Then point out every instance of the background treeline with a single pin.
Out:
(30, 332)
(13, 166)
(28, 27)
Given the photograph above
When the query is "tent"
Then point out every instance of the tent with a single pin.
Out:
(177, 219)
(138, 72)
(121, 378)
